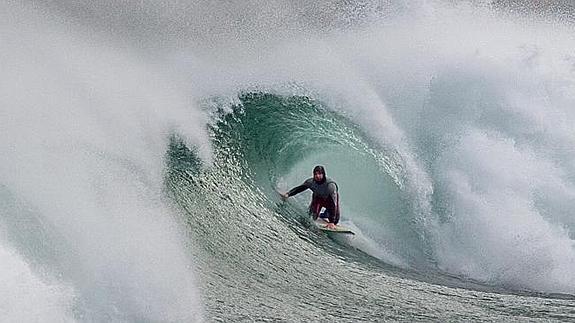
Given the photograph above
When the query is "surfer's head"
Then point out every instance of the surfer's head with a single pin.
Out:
(319, 174)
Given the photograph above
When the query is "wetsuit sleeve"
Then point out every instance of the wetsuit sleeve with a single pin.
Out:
(299, 189)
(332, 189)
(334, 213)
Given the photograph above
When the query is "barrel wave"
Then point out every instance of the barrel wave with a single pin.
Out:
(250, 240)
(143, 145)
(269, 142)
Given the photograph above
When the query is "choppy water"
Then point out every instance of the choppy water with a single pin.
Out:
(143, 145)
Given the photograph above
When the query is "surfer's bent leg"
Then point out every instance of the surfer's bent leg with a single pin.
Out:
(314, 207)
(332, 211)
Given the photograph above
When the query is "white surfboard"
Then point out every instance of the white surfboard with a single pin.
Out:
(322, 225)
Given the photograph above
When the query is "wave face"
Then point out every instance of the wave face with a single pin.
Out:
(252, 245)
(143, 144)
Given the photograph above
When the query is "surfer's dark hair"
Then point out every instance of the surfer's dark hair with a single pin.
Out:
(319, 169)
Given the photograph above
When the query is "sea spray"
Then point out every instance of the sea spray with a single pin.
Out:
(84, 133)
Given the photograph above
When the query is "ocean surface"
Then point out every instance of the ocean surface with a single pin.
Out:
(143, 145)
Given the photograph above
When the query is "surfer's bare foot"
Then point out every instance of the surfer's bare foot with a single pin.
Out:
(330, 226)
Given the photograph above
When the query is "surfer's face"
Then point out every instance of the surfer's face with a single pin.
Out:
(317, 176)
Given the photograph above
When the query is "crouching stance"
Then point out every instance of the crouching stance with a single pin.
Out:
(325, 195)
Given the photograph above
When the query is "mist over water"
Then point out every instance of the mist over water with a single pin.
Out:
(471, 108)
(85, 130)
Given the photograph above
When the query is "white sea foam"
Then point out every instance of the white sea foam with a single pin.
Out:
(84, 133)
(28, 297)
(475, 105)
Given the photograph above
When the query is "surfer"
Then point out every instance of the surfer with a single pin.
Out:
(325, 195)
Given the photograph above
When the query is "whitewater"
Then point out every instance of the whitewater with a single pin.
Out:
(143, 143)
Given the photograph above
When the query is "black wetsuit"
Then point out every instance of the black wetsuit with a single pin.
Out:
(324, 195)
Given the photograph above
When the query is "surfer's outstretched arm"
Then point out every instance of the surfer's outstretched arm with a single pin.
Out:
(297, 189)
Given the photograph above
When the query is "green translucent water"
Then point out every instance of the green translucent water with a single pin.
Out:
(261, 260)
